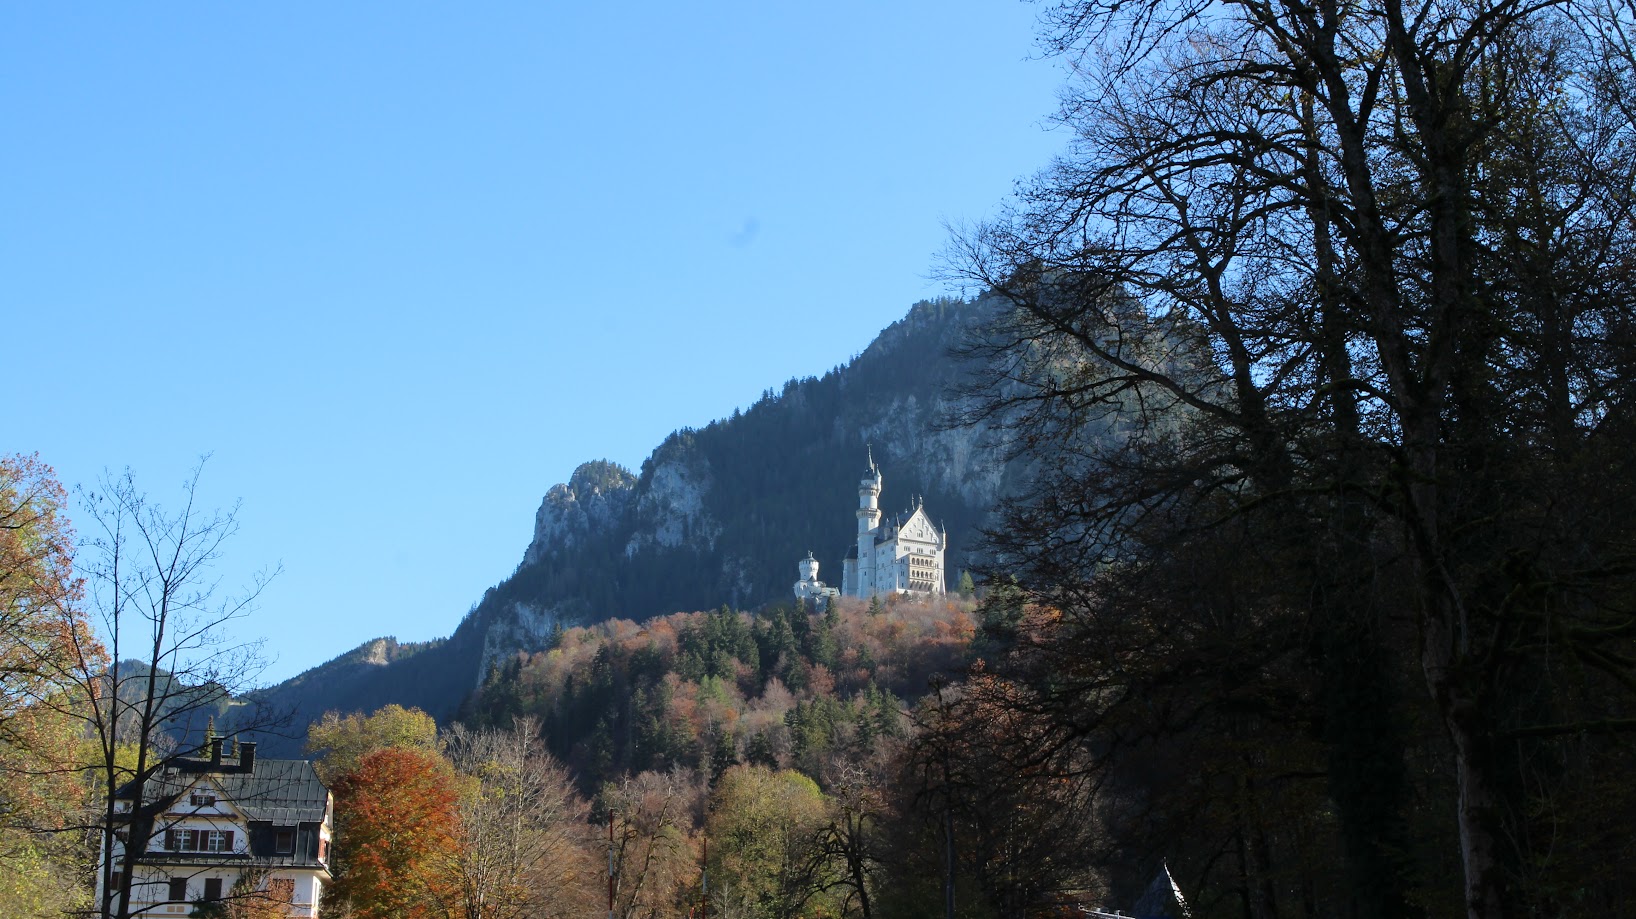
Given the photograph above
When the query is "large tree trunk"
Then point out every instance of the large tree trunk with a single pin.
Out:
(1477, 810)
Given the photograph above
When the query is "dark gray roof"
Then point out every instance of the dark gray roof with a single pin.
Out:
(283, 791)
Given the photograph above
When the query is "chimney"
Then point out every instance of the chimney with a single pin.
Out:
(215, 753)
(247, 756)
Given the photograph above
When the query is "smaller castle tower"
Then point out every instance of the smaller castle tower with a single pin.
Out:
(810, 588)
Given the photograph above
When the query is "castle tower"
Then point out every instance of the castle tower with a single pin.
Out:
(869, 489)
(810, 589)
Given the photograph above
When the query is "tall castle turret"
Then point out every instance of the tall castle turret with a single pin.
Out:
(869, 489)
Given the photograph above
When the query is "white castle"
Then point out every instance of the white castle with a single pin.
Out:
(903, 555)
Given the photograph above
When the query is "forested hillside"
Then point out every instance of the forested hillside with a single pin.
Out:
(785, 688)
(799, 760)
(719, 514)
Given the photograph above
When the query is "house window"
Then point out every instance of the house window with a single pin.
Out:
(323, 850)
(213, 888)
(178, 890)
(116, 880)
(201, 799)
(284, 840)
(199, 840)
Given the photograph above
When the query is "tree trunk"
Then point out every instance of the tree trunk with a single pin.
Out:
(1477, 812)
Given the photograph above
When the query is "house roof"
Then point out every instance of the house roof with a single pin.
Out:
(285, 791)
(282, 791)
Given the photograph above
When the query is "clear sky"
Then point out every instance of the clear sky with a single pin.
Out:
(400, 267)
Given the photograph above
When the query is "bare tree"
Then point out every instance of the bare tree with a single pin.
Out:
(525, 848)
(1361, 273)
(846, 856)
(173, 658)
(651, 854)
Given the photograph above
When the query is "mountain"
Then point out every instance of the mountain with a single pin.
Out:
(716, 515)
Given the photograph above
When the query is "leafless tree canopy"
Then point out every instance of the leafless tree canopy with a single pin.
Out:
(1344, 289)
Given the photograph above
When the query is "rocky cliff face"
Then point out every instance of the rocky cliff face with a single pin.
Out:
(721, 514)
(595, 498)
(670, 506)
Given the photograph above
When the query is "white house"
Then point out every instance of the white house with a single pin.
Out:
(903, 554)
(218, 821)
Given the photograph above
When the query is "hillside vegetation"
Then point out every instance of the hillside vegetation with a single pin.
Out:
(718, 514)
(785, 688)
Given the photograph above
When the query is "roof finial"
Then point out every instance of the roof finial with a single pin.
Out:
(869, 450)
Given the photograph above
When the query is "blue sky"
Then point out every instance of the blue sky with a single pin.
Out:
(401, 267)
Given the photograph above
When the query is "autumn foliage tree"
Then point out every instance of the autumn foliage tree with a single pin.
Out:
(525, 848)
(43, 631)
(765, 828)
(398, 832)
(652, 817)
(40, 617)
(342, 741)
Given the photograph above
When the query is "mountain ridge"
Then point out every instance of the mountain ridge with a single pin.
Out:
(716, 515)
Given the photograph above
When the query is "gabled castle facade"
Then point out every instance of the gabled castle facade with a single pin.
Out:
(902, 555)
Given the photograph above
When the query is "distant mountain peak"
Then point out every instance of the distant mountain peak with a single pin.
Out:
(595, 496)
(722, 514)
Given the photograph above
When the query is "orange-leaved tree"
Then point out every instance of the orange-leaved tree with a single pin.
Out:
(43, 633)
(398, 826)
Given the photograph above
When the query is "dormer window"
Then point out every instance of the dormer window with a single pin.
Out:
(199, 840)
(201, 799)
(284, 840)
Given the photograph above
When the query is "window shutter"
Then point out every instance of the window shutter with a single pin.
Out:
(170, 840)
(227, 841)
